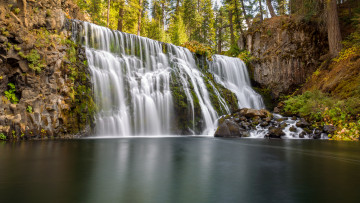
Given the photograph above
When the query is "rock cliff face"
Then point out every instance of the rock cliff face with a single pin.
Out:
(286, 52)
(45, 89)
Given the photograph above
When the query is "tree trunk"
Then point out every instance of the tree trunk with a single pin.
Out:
(245, 15)
(108, 13)
(334, 35)
(121, 15)
(237, 17)
(177, 6)
(219, 37)
(261, 11)
(25, 13)
(232, 37)
(270, 7)
(139, 18)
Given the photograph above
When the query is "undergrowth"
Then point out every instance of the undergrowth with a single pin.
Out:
(322, 109)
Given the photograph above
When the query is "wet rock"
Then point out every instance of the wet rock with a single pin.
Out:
(276, 110)
(317, 134)
(228, 129)
(283, 125)
(302, 134)
(302, 123)
(275, 132)
(264, 124)
(307, 130)
(294, 118)
(293, 129)
(329, 129)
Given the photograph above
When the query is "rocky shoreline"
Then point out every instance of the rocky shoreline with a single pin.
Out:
(261, 123)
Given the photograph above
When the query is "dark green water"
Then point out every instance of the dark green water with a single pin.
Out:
(180, 170)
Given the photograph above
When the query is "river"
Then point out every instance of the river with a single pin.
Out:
(179, 169)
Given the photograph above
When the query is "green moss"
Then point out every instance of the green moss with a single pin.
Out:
(83, 107)
(267, 98)
(16, 48)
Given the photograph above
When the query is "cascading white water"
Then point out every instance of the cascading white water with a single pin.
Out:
(131, 77)
(232, 74)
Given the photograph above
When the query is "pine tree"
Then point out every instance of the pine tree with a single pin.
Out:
(177, 30)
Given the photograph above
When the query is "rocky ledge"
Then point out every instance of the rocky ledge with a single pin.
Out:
(263, 124)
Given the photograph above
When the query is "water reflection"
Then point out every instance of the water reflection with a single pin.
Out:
(179, 170)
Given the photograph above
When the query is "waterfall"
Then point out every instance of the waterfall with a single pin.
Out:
(145, 87)
(232, 74)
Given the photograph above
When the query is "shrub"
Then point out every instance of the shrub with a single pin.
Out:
(309, 104)
(29, 109)
(10, 94)
(325, 110)
(34, 61)
(2, 136)
(245, 56)
(17, 11)
(198, 48)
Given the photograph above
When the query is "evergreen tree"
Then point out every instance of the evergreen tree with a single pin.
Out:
(177, 30)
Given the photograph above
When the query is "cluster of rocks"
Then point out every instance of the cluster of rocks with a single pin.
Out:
(243, 122)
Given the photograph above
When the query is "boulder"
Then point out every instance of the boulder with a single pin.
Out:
(275, 132)
(228, 128)
(317, 134)
(302, 123)
(329, 129)
(293, 129)
(302, 134)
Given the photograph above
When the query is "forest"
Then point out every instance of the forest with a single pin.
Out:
(215, 24)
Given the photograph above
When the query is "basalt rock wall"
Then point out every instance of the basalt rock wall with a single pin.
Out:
(45, 88)
(286, 52)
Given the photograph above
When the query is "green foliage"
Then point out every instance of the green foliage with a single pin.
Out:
(10, 94)
(319, 107)
(4, 32)
(29, 109)
(16, 47)
(17, 11)
(245, 56)
(177, 31)
(22, 55)
(199, 48)
(34, 61)
(2, 136)
(233, 51)
(309, 104)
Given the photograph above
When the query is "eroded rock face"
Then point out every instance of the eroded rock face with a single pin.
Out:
(286, 52)
(48, 72)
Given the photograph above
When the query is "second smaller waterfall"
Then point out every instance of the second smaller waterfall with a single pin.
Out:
(233, 75)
